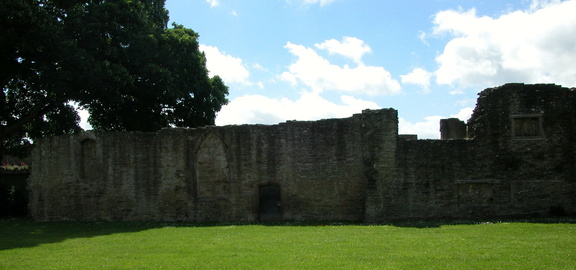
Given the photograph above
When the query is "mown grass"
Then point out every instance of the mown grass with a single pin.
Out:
(412, 245)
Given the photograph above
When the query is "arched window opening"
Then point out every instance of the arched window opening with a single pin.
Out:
(212, 168)
(88, 159)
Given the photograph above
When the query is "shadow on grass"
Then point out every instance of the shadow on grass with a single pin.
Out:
(23, 233)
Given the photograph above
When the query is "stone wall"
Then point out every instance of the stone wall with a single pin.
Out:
(452, 128)
(519, 159)
(213, 173)
(503, 170)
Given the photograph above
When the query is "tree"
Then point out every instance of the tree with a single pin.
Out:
(115, 58)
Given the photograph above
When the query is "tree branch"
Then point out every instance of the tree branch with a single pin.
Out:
(10, 128)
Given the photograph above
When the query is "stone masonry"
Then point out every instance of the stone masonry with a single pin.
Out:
(518, 158)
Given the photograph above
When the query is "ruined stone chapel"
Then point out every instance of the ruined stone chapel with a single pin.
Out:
(516, 156)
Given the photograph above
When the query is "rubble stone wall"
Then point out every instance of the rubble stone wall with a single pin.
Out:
(212, 173)
(519, 159)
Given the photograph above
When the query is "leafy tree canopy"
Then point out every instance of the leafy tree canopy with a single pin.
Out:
(115, 58)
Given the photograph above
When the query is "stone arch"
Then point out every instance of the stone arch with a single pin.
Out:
(212, 173)
(89, 165)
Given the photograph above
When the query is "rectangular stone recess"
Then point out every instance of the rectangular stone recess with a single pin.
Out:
(526, 126)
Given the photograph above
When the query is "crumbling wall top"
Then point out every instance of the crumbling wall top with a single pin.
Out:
(530, 110)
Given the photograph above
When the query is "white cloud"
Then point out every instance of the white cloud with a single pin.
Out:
(258, 67)
(320, 75)
(522, 46)
(430, 127)
(427, 129)
(418, 76)
(350, 47)
(422, 36)
(258, 109)
(538, 4)
(213, 3)
(83, 114)
(321, 2)
(229, 68)
(464, 114)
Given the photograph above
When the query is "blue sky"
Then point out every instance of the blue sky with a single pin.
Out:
(315, 59)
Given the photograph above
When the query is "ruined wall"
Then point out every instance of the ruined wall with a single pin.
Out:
(521, 161)
(528, 132)
(212, 173)
(519, 158)
(452, 128)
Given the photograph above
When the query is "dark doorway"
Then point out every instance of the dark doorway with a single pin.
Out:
(13, 194)
(269, 203)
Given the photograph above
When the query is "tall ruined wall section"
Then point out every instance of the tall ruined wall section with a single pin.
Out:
(520, 159)
(527, 133)
(380, 166)
(316, 170)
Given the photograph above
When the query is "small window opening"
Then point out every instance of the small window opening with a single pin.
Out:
(527, 126)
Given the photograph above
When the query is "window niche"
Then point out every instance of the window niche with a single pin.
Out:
(88, 159)
(527, 126)
(212, 172)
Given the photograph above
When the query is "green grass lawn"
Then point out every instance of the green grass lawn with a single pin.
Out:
(112, 245)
